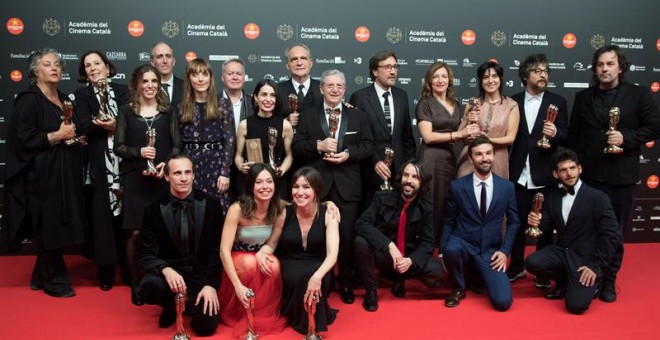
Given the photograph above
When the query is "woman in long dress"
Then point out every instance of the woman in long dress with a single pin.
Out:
(498, 118)
(207, 132)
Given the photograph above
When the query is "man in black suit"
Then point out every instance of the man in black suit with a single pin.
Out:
(387, 109)
(396, 234)
(179, 250)
(587, 236)
(299, 63)
(162, 58)
(530, 166)
(338, 160)
(639, 122)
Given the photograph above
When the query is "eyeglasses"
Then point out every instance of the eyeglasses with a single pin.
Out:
(394, 67)
(539, 71)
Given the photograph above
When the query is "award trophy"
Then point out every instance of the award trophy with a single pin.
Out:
(68, 114)
(311, 323)
(473, 102)
(551, 115)
(537, 204)
(272, 141)
(293, 106)
(333, 123)
(251, 334)
(615, 115)
(180, 301)
(151, 142)
(389, 156)
(102, 86)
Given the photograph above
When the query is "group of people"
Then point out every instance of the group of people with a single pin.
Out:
(186, 187)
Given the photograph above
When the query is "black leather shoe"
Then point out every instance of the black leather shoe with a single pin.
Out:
(135, 297)
(67, 294)
(454, 298)
(608, 292)
(105, 286)
(34, 286)
(167, 317)
(477, 288)
(347, 295)
(515, 274)
(557, 293)
(542, 283)
(399, 288)
(370, 302)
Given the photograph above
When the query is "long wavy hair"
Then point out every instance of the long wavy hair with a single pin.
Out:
(427, 86)
(247, 202)
(163, 104)
(197, 66)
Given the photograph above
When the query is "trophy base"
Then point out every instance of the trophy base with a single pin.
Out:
(533, 232)
(150, 172)
(386, 186)
(613, 149)
(250, 336)
(312, 336)
(181, 337)
(543, 144)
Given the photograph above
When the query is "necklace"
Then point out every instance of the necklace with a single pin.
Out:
(149, 121)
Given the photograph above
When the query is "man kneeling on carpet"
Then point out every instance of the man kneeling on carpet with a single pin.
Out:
(587, 236)
(396, 234)
(179, 250)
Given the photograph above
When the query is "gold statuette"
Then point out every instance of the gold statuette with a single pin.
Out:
(537, 205)
(180, 302)
(615, 116)
(389, 157)
(551, 115)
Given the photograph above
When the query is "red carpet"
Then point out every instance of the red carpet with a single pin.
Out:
(94, 314)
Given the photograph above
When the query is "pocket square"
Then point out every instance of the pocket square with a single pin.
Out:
(350, 132)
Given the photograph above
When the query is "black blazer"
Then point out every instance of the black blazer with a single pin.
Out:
(591, 234)
(379, 225)
(312, 99)
(400, 139)
(639, 123)
(159, 246)
(354, 135)
(540, 160)
(177, 93)
(247, 109)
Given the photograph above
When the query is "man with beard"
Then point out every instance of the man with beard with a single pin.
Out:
(396, 234)
(639, 122)
(587, 236)
(530, 166)
(477, 206)
(162, 58)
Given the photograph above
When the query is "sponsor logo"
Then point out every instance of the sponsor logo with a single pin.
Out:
(468, 63)
(393, 35)
(639, 208)
(637, 68)
(639, 219)
(451, 62)
(498, 38)
(362, 34)
(473, 82)
(654, 218)
(571, 85)
(634, 230)
(16, 76)
(457, 81)
(509, 83)
(284, 32)
(404, 81)
(359, 80)
(144, 56)
(578, 66)
(597, 41)
(569, 40)
(51, 27)
(116, 55)
(19, 55)
(252, 58)
(119, 76)
(170, 29)
(68, 56)
(269, 76)
(190, 55)
(357, 60)
(15, 26)
(468, 37)
(656, 208)
(652, 181)
(650, 144)
(656, 229)
(251, 31)
(655, 86)
(219, 57)
(136, 28)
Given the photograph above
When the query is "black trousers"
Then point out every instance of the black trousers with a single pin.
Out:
(349, 214)
(554, 262)
(49, 272)
(154, 290)
(367, 259)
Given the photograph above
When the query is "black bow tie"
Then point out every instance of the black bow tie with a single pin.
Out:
(564, 189)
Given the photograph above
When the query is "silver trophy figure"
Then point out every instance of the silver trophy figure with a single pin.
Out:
(389, 157)
(251, 333)
(151, 142)
(102, 87)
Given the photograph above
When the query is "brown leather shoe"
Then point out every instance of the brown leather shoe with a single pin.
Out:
(454, 298)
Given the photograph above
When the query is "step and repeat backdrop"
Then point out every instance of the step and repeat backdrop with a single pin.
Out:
(344, 34)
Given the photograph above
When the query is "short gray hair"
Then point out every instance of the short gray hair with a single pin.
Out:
(35, 58)
(333, 72)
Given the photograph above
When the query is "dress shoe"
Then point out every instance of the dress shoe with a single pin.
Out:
(67, 294)
(557, 293)
(135, 297)
(608, 292)
(399, 288)
(347, 295)
(370, 302)
(542, 283)
(515, 274)
(432, 283)
(167, 317)
(454, 298)
(105, 286)
(477, 288)
(34, 286)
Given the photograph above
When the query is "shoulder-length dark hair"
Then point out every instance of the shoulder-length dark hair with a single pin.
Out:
(623, 62)
(424, 177)
(257, 88)
(134, 89)
(481, 72)
(196, 66)
(247, 202)
(313, 177)
(427, 86)
(82, 75)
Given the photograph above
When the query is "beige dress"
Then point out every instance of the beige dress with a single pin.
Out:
(494, 121)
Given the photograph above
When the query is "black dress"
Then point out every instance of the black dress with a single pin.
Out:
(298, 265)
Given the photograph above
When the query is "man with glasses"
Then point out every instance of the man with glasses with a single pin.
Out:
(530, 165)
(162, 58)
(387, 109)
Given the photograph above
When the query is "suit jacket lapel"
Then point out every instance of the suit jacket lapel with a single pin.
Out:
(542, 114)
(555, 205)
(469, 192)
(342, 128)
(199, 211)
(377, 109)
(167, 212)
(324, 122)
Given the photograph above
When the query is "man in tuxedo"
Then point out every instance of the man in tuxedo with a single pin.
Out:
(299, 63)
(179, 250)
(338, 160)
(396, 234)
(477, 205)
(387, 109)
(587, 236)
(162, 58)
(639, 122)
(530, 166)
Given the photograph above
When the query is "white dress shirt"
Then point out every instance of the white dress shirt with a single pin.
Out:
(476, 184)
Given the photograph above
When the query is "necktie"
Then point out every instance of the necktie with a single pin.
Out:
(387, 110)
(401, 233)
(166, 88)
(184, 211)
(564, 189)
(301, 94)
(483, 206)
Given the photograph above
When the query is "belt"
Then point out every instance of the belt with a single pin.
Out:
(202, 145)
